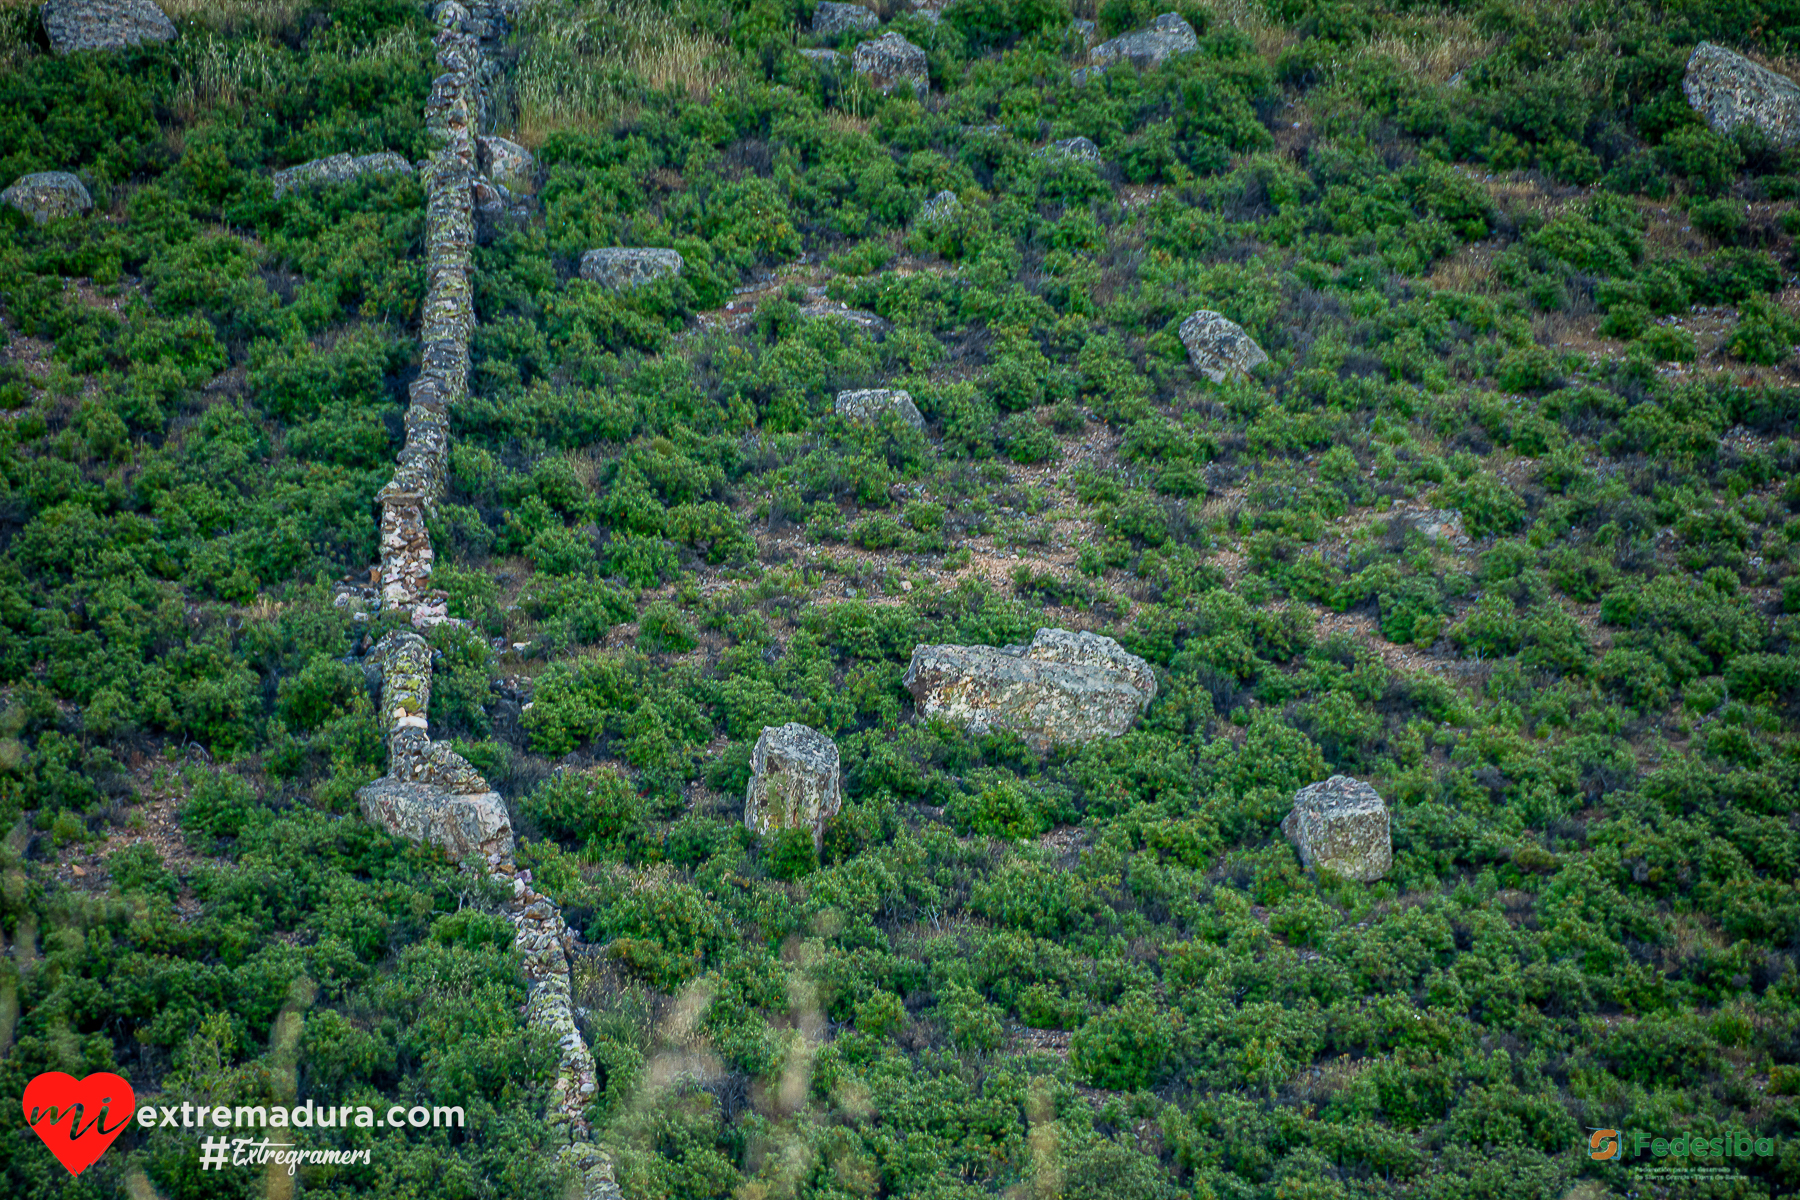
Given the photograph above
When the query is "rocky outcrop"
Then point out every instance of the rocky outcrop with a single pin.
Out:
(73, 25)
(1219, 348)
(1341, 825)
(1063, 687)
(1079, 148)
(944, 205)
(623, 268)
(869, 405)
(794, 782)
(890, 62)
(831, 19)
(47, 195)
(1162, 39)
(507, 164)
(1729, 90)
(338, 168)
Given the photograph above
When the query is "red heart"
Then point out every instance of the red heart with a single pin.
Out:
(86, 1107)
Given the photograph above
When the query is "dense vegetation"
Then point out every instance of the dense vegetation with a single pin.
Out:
(1500, 267)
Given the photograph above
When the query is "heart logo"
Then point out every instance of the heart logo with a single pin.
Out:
(76, 1117)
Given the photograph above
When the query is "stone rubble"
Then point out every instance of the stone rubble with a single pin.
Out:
(430, 793)
(46, 195)
(73, 25)
(1219, 348)
(1063, 687)
(1729, 90)
(795, 782)
(1341, 824)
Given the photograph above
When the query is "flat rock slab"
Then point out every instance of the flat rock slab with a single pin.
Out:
(623, 268)
(1729, 90)
(463, 826)
(890, 62)
(830, 18)
(73, 25)
(1220, 348)
(1157, 42)
(1063, 687)
(869, 405)
(794, 782)
(47, 195)
(339, 168)
(1342, 825)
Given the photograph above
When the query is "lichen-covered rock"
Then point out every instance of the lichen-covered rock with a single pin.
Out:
(48, 194)
(830, 18)
(1163, 38)
(889, 62)
(507, 164)
(794, 782)
(467, 828)
(1342, 825)
(623, 268)
(941, 206)
(1078, 148)
(1063, 687)
(497, 210)
(870, 405)
(824, 59)
(1729, 90)
(73, 25)
(337, 168)
(1083, 31)
(1444, 523)
(1219, 348)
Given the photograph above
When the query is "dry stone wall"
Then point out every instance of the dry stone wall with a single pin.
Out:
(431, 793)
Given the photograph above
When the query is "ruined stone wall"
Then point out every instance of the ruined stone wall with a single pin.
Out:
(431, 793)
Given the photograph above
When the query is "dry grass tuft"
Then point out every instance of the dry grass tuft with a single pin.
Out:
(223, 72)
(581, 62)
(235, 16)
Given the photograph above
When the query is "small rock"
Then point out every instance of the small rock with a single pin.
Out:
(889, 62)
(1084, 30)
(869, 405)
(337, 168)
(830, 19)
(623, 268)
(1729, 90)
(73, 25)
(1341, 824)
(940, 207)
(1162, 39)
(47, 195)
(794, 782)
(1079, 148)
(508, 164)
(1219, 348)
(828, 59)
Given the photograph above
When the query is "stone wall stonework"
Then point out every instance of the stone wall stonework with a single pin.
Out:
(1063, 687)
(1341, 824)
(432, 794)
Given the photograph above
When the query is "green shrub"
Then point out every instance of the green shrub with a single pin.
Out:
(1124, 1048)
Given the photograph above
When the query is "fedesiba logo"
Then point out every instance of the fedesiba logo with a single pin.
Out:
(1603, 1144)
(1607, 1144)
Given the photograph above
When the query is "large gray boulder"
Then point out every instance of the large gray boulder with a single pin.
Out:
(1063, 687)
(1729, 90)
(1219, 348)
(623, 268)
(466, 827)
(507, 164)
(890, 62)
(869, 405)
(794, 782)
(830, 19)
(1162, 39)
(47, 195)
(339, 168)
(1342, 825)
(73, 25)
